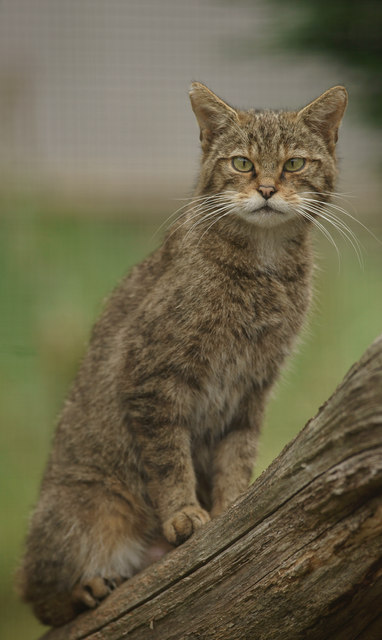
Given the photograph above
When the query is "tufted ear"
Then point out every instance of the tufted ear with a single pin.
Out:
(324, 114)
(211, 112)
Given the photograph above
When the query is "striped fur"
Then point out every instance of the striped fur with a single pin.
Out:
(160, 429)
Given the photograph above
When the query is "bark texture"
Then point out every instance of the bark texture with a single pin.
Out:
(298, 556)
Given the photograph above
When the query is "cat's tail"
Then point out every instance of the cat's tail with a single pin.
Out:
(52, 607)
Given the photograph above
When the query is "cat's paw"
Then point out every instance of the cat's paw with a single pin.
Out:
(183, 524)
(92, 591)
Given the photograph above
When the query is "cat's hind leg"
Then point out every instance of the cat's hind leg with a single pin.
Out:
(83, 542)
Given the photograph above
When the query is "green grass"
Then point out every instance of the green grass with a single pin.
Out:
(55, 271)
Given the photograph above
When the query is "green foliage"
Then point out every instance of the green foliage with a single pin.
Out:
(54, 272)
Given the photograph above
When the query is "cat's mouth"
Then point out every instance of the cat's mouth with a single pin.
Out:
(266, 209)
(267, 215)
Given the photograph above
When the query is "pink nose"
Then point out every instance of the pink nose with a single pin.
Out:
(266, 191)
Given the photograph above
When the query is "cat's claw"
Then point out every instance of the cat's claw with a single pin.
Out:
(184, 523)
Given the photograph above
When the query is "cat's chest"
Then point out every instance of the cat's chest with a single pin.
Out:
(258, 303)
(249, 337)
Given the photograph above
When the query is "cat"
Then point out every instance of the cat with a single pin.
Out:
(159, 431)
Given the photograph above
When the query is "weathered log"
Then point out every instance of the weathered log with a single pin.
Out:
(298, 556)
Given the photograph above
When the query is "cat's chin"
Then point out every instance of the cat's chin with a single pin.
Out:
(267, 217)
(268, 210)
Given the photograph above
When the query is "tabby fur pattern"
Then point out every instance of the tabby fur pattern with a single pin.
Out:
(160, 429)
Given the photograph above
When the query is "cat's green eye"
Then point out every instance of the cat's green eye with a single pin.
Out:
(294, 164)
(242, 164)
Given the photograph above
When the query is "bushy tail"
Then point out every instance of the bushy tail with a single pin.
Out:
(52, 607)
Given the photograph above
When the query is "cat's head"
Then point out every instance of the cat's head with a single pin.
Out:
(263, 164)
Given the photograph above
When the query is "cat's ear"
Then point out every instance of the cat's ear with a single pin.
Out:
(324, 114)
(211, 112)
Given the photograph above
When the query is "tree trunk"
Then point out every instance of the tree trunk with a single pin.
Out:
(298, 556)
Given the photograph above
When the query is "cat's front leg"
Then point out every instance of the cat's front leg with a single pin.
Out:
(234, 457)
(171, 483)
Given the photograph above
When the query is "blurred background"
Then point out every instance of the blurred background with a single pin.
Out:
(97, 143)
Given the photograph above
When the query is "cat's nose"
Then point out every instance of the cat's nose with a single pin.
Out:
(266, 191)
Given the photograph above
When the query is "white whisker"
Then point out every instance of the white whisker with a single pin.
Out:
(200, 209)
(334, 194)
(215, 221)
(203, 204)
(341, 227)
(195, 212)
(228, 207)
(345, 231)
(323, 230)
(346, 213)
(330, 195)
(194, 200)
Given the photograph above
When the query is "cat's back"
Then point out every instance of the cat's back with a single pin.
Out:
(91, 409)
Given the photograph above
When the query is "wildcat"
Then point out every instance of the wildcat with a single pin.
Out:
(159, 431)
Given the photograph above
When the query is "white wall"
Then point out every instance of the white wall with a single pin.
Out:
(93, 93)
